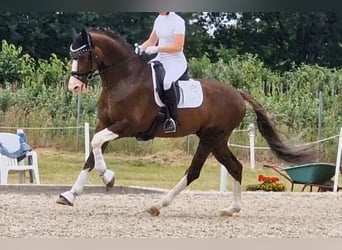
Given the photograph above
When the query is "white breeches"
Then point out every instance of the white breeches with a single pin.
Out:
(174, 68)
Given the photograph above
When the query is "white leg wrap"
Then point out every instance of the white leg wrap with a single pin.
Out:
(77, 188)
(235, 207)
(236, 195)
(69, 196)
(100, 164)
(171, 195)
(107, 176)
(101, 137)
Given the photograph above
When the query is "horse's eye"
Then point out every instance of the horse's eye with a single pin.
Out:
(74, 56)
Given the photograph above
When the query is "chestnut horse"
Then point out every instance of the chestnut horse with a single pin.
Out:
(127, 108)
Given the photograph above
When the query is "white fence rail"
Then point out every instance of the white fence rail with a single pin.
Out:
(338, 161)
(223, 173)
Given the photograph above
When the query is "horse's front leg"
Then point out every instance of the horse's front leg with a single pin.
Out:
(101, 137)
(96, 159)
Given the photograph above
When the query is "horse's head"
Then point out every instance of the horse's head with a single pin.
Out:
(83, 67)
(99, 50)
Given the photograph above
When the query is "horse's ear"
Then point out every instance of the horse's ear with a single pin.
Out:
(84, 34)
(73, 34)
(86, 37)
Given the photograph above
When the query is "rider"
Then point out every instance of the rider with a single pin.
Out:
(167, 39)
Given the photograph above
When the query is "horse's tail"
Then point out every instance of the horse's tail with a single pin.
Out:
(269, 132)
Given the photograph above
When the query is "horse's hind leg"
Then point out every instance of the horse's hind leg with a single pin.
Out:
(192, 173)
(234, 167)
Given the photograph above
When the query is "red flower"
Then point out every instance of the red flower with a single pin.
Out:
(262, 178)
(274, 179)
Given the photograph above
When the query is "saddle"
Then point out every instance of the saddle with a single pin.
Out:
(159, 76)
(188, 92)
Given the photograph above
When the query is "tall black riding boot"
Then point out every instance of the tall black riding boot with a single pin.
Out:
(171, 104)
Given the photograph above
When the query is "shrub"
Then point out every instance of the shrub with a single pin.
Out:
(267, 184)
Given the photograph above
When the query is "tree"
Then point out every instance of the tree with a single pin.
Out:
(41, 34)
(281, 38)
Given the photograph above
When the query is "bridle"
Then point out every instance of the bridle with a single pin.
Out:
(90, 74)
(76, 53)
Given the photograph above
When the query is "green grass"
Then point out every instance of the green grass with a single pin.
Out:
(159, 170)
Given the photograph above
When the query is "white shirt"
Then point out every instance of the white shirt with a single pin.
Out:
(166, 26)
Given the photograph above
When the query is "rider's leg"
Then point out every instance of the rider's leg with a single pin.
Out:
(174, 68)
(171, 104)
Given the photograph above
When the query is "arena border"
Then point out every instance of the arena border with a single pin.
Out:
(50, 189)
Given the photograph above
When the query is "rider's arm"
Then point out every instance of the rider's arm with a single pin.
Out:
(151, 41)
(177, 45)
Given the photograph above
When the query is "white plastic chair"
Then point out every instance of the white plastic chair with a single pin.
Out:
(10, 165)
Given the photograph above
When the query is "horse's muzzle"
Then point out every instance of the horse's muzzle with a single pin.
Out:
(75, 85)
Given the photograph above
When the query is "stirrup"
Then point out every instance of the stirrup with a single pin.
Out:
(169, 126)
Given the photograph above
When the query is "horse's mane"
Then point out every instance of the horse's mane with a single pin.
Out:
(111, 33)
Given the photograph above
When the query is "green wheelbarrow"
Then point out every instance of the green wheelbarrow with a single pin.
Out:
(311, 174)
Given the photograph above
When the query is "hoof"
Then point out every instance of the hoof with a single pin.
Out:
(61, 200)
(153, 211)
(230, 211)
(225, 213)
(110, 184)
(108, 178)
